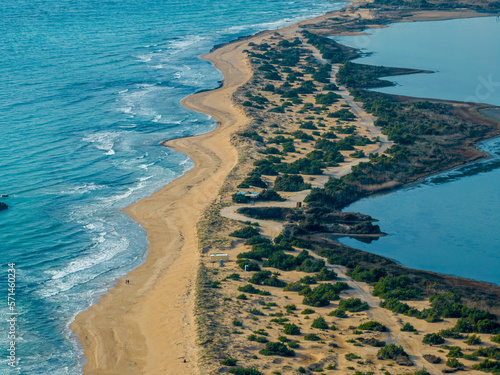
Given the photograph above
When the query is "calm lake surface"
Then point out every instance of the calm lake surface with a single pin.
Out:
(449, 223)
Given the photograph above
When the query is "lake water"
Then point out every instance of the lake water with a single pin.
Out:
(449, 223)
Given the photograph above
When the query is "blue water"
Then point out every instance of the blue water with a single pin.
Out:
(88, 89)
(449, 223)
(463, 53)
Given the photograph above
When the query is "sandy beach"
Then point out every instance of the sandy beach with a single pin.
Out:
(148, 325)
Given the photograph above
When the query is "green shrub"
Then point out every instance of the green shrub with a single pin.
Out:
(252, 266)
(229, 362)
(308, 311)
(325, 275)
(455, 352)
(391, 351)
(268, 87)
(312, 337)
(260, 339)
(290, 182)
(473, 340)
(451, 333)
(291, 329)
(495, 338)
(246, 232)
(237, 323)
(351, 356)
(327, 99)
(488, 366)
(279, 320)
(294, 344)
(353, 305)
(320, 323)
(396, 287)
(283, 339)
(373, 326)
(266, 278)
(454, 363)
(339, 313)
(433, 338)
(249, 288)
(408, 328)
(255, 311)
(277, 348)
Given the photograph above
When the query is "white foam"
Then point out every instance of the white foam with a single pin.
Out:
(145, 58)
(157, 118)
(185, 42)
(84, 188)
(104, 141)
(102, 250)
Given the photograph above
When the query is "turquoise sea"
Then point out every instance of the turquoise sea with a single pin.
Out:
(449, 223)
(88, 89)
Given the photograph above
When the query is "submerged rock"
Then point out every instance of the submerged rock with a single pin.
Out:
(3, 206)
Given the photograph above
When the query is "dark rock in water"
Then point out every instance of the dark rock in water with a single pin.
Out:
(4, 196)
(3, 206)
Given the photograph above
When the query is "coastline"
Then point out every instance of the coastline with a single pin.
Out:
(143, 327)
(148, 326)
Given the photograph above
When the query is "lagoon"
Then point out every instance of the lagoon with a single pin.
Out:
(449, 223)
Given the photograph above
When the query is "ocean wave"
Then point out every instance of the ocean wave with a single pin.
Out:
(183, 43)
(84, 188)
(105, 247)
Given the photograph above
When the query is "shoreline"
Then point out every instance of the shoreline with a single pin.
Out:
(148, 324)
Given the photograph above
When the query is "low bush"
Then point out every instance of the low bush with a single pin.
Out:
(246, 232)
(308, 311)
(266, 278)
(252, 266)
(454, 363)
(351, 356)
(277, 348)
(339, 313)
(408, 328)
(473, 340)
(312, 337)
(320, 323)
(373, 326)
(433, 338)
(291, 329)
(353, 305)
(229, 362)
(391, 351)
(260, 339)
(289, 182)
